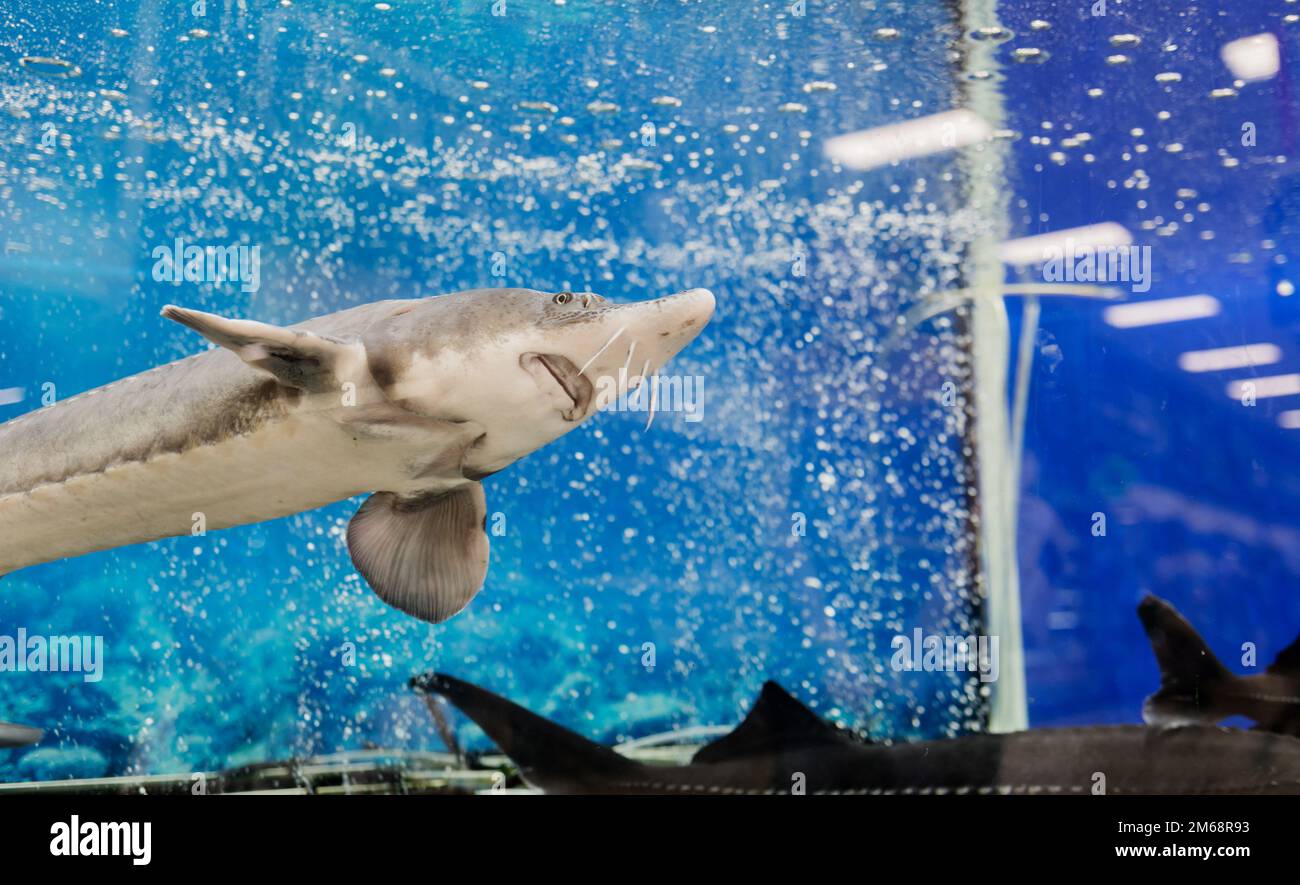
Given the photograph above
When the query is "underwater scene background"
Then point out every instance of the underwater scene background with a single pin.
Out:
(826, 501)
(816, 508)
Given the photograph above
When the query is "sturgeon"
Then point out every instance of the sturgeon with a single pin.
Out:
(782, 747)
(412, 401)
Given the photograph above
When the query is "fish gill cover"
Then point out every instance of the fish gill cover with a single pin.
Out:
(819, 505)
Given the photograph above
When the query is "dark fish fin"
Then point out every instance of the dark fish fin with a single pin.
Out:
(18, 735)
(427, 556)
(300, 360)
(776, 722)
(1189, 671)
(1287, 662)
(548, 756)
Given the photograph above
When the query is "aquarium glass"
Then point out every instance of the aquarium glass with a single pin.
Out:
(816, 502)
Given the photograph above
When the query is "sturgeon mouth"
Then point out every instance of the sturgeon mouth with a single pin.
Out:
(564, 373)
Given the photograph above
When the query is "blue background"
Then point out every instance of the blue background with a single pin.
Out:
(374, 154)
(1200, 492)
(226, 649)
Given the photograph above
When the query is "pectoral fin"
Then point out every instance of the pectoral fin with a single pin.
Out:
(424, 556)
(296, 359)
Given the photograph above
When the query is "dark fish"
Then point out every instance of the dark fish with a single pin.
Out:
(1195, 687)
(783, 747)
(18, 735)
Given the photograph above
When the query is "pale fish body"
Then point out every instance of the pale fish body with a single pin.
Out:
(414, 401)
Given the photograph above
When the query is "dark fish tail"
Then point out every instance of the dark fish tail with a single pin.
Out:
(1192, 679)
(548, 756)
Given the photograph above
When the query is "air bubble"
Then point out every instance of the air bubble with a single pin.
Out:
(994, 33)
(1028, 55)
(50, 67)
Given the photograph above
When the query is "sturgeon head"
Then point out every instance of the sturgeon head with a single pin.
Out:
(526, 366)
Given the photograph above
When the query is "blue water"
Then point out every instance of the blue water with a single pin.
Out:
(375, 153)
(1200, 491)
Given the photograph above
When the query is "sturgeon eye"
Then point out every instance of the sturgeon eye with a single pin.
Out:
(563, 297)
